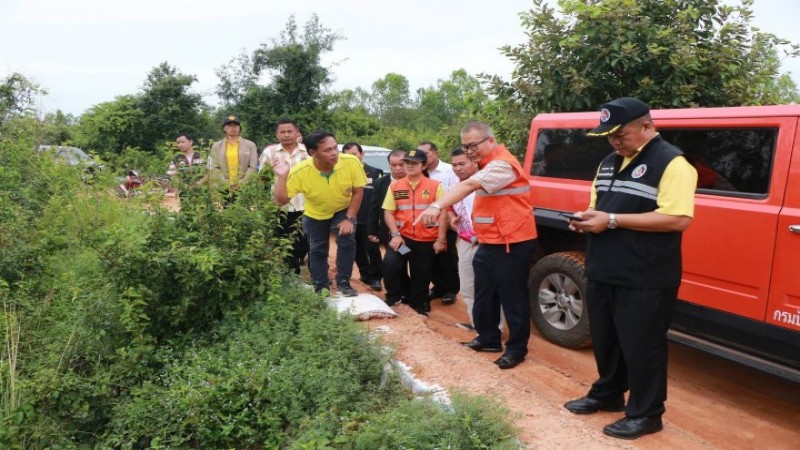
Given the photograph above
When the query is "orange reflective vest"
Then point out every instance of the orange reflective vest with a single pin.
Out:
(505, 216)
(411, 202)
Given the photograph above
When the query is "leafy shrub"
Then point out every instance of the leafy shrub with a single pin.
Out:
(127, 325)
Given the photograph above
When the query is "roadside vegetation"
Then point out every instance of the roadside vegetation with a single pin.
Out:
(126, 325)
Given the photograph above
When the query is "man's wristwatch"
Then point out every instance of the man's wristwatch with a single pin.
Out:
(435, 205)
(350, 219)
(612, 221)
(394, 233)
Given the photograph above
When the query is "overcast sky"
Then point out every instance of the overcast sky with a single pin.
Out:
(89, 51)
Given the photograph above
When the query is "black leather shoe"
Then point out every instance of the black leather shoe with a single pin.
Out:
(448, 298)
(478, 347)
(508, 361)
(627, 428)
(586, 405)
(376, 285)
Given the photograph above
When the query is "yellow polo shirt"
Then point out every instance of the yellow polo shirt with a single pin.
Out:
(328, 194)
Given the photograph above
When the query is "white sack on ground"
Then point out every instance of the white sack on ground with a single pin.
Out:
(362, 307)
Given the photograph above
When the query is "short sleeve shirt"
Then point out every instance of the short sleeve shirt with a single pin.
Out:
(326, 194)
(495, 176)
(276, 151)
(675, 190)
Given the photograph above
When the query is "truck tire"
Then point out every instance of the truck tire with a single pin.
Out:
(557, 286)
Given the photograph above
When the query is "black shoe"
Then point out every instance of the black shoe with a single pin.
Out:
(466, 326)
(346, 290)
(376, 285)
(434, 294)
(586, 405)
(421, 310)
(448, 298)
(627, 428)
(509, 362)
(476, 345)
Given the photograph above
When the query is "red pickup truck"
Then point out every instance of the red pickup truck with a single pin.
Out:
(740, 295)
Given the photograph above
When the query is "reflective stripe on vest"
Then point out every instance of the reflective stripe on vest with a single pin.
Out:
(628, 187)
(422, 206)
(509, 191)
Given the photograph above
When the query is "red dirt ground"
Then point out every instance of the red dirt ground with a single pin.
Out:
(713, 403)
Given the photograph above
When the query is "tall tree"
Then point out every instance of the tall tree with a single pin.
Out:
(449, 100)
(390, 99)
(295, 80)
(110, 127)
(17, 96)
(670, 53)
(168, 105)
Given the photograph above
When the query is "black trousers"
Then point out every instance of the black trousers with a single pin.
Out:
(368, 256)
(419, 262)
(445, 268)
(629, 340)
(501, 279)
(291, 227)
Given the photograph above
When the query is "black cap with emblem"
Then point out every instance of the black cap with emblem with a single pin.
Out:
(616, 113)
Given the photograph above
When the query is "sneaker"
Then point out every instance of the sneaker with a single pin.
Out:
(346, 290)
(448, 298)
(466, 326)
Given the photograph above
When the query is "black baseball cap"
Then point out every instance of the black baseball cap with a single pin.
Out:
(616, 113)
(416, 155)
(231, 118)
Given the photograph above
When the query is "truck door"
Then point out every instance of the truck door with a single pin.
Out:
(728, 250)
(783, 308)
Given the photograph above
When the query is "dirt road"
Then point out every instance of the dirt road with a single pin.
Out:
(713, 404)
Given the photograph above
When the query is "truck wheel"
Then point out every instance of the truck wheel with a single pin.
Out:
(557, 295)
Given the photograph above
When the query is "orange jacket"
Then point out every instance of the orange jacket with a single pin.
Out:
(506, 216)
(410, 204)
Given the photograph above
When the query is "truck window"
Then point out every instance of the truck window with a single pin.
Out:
(730, 161)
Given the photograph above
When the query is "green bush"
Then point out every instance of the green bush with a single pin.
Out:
(127, 325)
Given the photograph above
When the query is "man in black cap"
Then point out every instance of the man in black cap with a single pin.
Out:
(412, 245)
(641, 201)
(233, 158)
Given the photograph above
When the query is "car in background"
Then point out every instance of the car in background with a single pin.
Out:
(375, 156)
(72, 156)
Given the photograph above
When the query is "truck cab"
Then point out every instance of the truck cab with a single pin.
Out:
(740, 293)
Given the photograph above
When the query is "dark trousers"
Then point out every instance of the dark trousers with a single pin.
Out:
(445, 268)
(368, 256)
(396, 280)
(629, 340)
(319, 241)
(291, 227)
(501, 279)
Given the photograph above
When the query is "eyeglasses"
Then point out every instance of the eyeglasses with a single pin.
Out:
(473, 146)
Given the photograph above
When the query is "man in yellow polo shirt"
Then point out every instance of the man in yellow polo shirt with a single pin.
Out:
(333, 186)
(232, 159)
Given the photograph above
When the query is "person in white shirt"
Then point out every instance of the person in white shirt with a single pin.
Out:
(445, 269)
(290, 151)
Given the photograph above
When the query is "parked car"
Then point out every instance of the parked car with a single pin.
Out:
(740, 293)
(375, 156)
(72, 156)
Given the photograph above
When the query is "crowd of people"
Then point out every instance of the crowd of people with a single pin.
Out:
(468, 227)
